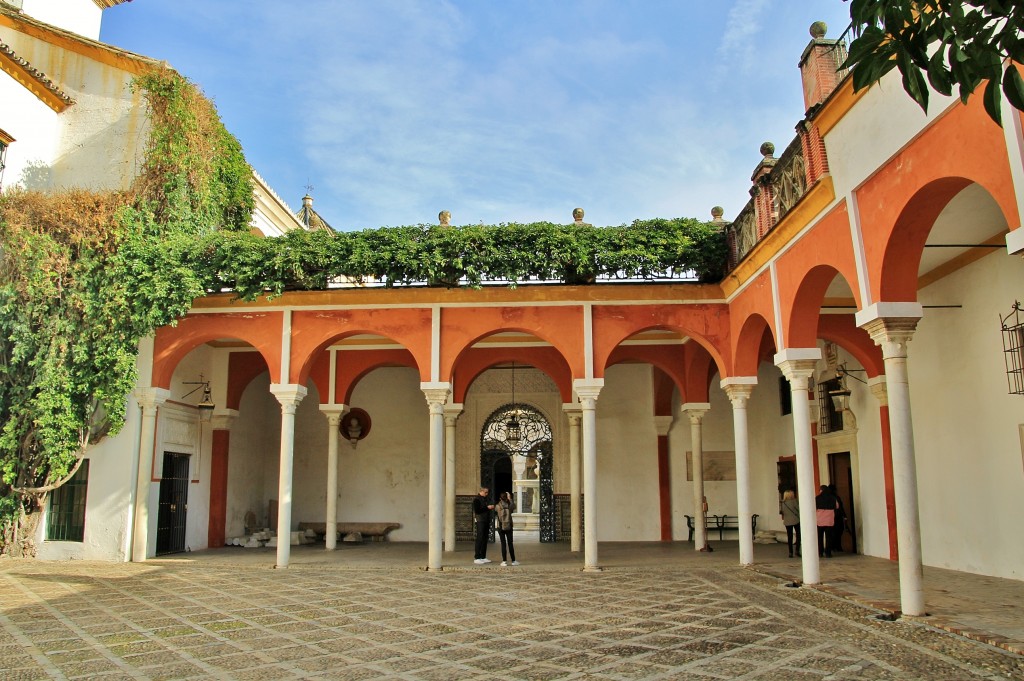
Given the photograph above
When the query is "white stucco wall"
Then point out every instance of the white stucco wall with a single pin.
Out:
(888, 117)
(97, 143)
(35, 128)
(627, 457)
(78, 16)
(966, 426)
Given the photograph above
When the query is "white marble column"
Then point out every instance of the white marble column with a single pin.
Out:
(333, 412)
(575, 415)
(587, 391)
(738, 388)
(695, 411)
(437, 394)
(150, 400)
(893, 334)
(451, 415)
(289, 395)
(798, 364)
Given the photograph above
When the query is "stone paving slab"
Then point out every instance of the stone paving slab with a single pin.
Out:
(203, 620)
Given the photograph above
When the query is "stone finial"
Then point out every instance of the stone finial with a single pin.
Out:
(717, 212)
(767, 149)
(445, 218)
(577, 215)
(818, 30)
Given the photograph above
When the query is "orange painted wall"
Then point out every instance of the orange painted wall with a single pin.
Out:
(314, 330)
(475, 361)
(561, 326)
(962, 146)
(261, 330)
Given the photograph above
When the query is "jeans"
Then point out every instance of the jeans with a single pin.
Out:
(506, 537)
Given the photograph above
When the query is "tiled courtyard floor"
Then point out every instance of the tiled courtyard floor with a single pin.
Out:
(224, 615)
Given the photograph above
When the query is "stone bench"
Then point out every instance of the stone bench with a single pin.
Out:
(722, 523)
(371, 530)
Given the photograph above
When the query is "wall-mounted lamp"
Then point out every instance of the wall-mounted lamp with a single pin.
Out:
(841, 396)
(206, 405)
(354, 426)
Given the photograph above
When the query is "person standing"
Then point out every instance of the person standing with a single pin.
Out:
(504, 509)
(790, 512)
(825, 505)
(482, 514)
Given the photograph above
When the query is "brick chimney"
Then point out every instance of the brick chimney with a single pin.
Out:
(819, 65)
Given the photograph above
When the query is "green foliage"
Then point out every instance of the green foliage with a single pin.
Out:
(252, 266)
(939, 45)
(84, 276)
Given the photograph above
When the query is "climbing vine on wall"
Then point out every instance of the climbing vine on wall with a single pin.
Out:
(84, 276)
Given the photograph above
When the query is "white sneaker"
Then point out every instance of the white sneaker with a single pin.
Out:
(504, 564)
(485, 560)
(479, 561)
(515, 562)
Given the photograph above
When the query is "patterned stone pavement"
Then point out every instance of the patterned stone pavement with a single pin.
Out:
(213, 620)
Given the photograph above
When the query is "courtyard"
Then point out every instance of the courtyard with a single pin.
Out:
(370, 611)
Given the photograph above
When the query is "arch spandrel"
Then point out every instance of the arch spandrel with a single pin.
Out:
(560, 326)
(261, 330)
(807, 269)
(752, 314)
(963, 146)
(475, 361)
(704, 324)
(314, 331)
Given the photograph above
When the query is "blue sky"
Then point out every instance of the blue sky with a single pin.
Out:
(510, 111)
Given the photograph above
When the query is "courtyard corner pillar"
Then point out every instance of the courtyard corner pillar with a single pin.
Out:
(150, 400)
(221, 423)
(662, 426)
(575, 416)
(797, 365)
(587, 390)
(892, 334)
(738, 389)
(333, 413)
(289, 395)
(695, 411)
(437, 394)
(451, 415)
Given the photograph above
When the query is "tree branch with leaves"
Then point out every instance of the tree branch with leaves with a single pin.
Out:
(941, 45)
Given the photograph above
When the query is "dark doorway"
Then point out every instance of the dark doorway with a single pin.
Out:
(502, 480)
(170, 522)
(786, 468)
(841, 473)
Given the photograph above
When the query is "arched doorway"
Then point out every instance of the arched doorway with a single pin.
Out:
(515, 457)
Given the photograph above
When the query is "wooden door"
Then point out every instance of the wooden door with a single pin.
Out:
(841, 474)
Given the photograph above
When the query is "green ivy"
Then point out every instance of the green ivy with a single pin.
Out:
(252, 266)
(84, 276)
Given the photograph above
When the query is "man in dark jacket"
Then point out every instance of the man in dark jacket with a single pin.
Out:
(482, 514)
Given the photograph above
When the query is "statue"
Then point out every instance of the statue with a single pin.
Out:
(577, 215)
(354, 430)
(445, 218)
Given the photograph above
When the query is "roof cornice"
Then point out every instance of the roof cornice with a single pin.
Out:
(93, 49)
(34, 80)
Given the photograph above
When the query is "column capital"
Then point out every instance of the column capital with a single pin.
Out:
(288, 394)
(695, 410)
(1015, 241)
(739, 388)
(451, 413)
(587, 388)
(879, 389)
(891, 334)
(334, 412)
(798, 364)
(437, 393)
(223, 418)
(887, 311)
(151, 398)
(662, 424)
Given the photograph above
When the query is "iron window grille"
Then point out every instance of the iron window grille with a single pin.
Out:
(830, 419)
(65, 520)
(1013, 349)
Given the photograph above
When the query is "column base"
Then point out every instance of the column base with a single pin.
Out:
(435, 569)
(593, 568)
